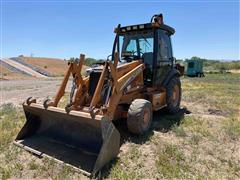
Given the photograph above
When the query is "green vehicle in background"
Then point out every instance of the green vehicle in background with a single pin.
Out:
(194, 68)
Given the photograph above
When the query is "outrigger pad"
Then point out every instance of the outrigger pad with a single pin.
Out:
(85, 143)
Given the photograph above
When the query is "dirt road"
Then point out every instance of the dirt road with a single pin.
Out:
(19, 90)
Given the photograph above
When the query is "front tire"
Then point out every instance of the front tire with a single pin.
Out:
(174, 95)
(139, 116)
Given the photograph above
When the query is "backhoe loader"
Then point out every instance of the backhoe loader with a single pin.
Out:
(138, 78)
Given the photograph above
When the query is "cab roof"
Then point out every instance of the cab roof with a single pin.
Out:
(147, 26)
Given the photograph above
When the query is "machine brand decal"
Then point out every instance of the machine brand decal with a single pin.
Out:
(134, 75)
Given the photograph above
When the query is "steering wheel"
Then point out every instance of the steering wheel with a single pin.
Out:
(108, 58)
(136, 56)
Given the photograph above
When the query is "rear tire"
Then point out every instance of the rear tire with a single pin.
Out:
(139, 116)
(174, 94)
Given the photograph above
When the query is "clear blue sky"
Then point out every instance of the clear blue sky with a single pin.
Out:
(66, 29)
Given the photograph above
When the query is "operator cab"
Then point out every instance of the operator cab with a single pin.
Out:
(150, 43)
(138, 45)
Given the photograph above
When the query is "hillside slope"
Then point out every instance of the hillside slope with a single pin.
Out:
(23, 68)
(7, 74)
(54, 66)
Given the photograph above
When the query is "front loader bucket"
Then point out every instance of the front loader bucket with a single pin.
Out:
(75, 138)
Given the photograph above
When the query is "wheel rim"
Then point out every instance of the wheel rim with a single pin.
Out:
(146, 118)
(175, 97)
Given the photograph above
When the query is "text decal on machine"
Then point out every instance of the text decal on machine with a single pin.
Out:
(134, 75)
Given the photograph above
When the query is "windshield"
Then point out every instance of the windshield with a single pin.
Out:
(134, 45)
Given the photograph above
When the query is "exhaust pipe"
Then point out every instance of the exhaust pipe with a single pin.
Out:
(74, 138)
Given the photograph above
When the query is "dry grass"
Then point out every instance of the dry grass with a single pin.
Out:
(54, 66)
(203, 144)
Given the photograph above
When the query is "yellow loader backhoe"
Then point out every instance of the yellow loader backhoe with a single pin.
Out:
(138, 78)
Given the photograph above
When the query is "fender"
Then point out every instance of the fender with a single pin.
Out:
(173, 72)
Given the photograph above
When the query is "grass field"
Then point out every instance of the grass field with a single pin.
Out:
(202, 141)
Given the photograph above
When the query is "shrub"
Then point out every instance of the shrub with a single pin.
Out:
(179, 131)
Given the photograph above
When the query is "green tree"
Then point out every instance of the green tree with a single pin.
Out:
(87, 62)
(90, 61)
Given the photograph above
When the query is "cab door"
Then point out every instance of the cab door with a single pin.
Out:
(164, 56)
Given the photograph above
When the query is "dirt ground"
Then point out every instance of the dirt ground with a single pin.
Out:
(202, 141)
(17, 91)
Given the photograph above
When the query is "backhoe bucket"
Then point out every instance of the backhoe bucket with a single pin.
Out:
(75, 138)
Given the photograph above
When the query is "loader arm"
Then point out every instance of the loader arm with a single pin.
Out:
(120, 88)
(75, 69)
(74, 137)
(96, 96)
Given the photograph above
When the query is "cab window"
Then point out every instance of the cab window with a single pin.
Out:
(164, 46)
(146, 45)
(131, 45)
